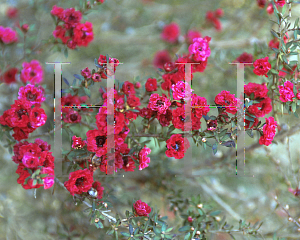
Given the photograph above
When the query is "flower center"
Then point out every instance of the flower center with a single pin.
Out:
(31, 96)
(73, 117)
(79, 182)
(21, 112)
(100, 140)
(32, 74)
(176, 147)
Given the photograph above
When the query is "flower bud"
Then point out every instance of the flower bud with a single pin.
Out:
(192, 229)
(25, 28)
(290, 219)
(137, 85)
(218, 219)
(190, 219)
(200, 205)
(198, 233)
(97, 220)
(204, 140)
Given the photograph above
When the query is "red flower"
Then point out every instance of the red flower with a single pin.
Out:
(274, 43)
(245, 58)
(10, 76)
(133, 101)
(60, 32)
(72, 117)
(151, 85)
(165, 119)
(33, 94)
(30, 160)
(224, 98)
(49, 179)
(12, 12)
(141, 208)
(143, 159)
(261, 3)
(97, 185)
(158, 103)
(128, 88)
(57, 11)
(32, 72)
(200, 106)
(96, 142)
(280, 3)
(191, 35)
(171, 32)
(79, 181)
(259, 90)
(161, 58)
(77, 142)
(262, 66)
(176, 146)
(270, 8)
(86, 73)
(83, 34)
(70, 17)
(269, 131)
(262, 108)
(37, 117)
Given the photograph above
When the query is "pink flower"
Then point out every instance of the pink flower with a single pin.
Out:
(280, 3)
(32, 94)
(262, 66)
(49, 179)
(286, 92)
(171, 32)
(144, 160)
(269, 131)
(270, 9)
(158, 103)
(86, 73)
(200, 48)
(30, 160)
(141, 208)
(32, 72)
(179, 90)
(79, 181)
(7, 35)
(37, 117)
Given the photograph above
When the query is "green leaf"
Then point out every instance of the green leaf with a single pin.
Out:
(187, 236)
(294, 107)
(87, 92)
(125, 234)
(184, 228)
(66, 53)
(274, 34)
(215, 213)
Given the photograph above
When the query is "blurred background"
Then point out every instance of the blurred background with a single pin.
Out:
(129, 30)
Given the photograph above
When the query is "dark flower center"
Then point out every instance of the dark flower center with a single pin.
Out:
(159, 102)
(21, 112)
(200, 48)
(31, 96)
(32, 74)
(73, 117)
(182, 119)
(176, 147)
(100, 140)
(79, 182)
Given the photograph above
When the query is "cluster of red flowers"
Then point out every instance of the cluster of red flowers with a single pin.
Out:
(81, 181)
(7, 35)
(25, 115)
(72, 32)
(36, 164)
(212, 17)
(288, 92)
(274, 43)
(270, 8)
(261, 103)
